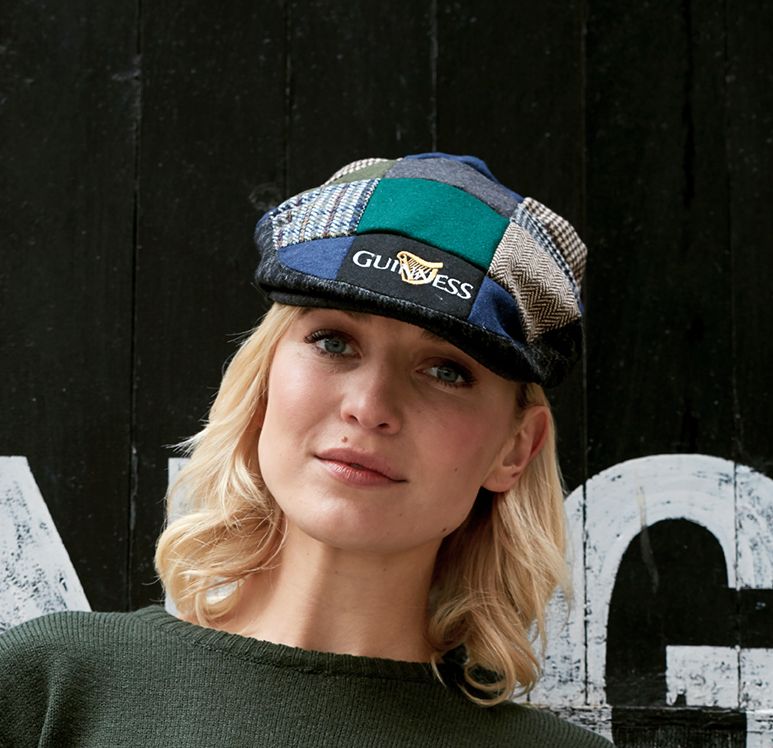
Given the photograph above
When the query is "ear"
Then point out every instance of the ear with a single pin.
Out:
(519, 450)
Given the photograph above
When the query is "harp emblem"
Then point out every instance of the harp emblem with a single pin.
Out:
(415, 270)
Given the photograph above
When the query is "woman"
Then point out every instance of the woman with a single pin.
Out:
(376, 517)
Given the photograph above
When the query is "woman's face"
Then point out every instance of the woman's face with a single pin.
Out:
(377, 435)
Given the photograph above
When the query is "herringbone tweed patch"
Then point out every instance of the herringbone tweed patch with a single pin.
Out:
(543, 292)
(563, 234)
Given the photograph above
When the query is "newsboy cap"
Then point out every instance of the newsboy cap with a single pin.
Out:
(435, 240)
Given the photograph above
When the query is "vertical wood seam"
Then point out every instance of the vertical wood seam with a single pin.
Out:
(433, 65)
(288, 93)
(133, 461)
(688, 120)
(737, 431)
(736, 412)
(583, 30)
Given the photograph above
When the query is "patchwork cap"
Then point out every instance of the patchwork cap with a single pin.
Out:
(435, 240)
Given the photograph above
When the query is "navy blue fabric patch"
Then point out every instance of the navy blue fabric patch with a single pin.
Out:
(319, 257)
(405, 269)
(496, 310)
(457, 174)
(474, 161)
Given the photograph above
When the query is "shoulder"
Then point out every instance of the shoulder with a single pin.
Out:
(57, 629)
(38, 661)
(539, 727)
(64, 640)
(40, 635)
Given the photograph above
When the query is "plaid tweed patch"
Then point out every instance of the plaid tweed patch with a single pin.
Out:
(356, 166)
(527, 220)
(544, 293)
(563, 234)
(329, 211)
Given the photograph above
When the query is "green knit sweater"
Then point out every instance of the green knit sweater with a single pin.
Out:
(149, 679)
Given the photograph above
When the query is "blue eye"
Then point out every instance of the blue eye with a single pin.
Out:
(451, 374)
(333, 345)
(330, 343)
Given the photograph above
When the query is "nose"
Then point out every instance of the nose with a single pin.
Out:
(371, 399)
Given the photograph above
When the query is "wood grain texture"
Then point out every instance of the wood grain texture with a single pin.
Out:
(211, 163)
(659, 300)
(749, 113)
(67, 139)
(359, 85)
(670, 727)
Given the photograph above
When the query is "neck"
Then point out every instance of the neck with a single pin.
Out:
(330, 600)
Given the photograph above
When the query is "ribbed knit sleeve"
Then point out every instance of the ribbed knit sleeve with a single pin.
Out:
(24, 652)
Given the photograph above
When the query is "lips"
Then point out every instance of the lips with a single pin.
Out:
(361, 461)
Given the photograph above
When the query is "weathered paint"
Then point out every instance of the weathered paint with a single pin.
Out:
(634, 494)
(756, 679)
(732, 502)
(754, 520)
(702, 676)
(759, 729)
(178, 506)
(36, 575)
(563, 680)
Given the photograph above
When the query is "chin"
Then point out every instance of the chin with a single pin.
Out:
(345, 535)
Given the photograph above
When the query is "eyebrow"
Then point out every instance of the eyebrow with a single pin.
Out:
(433, 336)
(365, 316)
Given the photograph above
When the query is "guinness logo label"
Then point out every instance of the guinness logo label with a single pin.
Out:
(401, 268)
(415, 270)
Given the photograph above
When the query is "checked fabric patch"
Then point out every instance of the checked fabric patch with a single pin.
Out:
(435, 240)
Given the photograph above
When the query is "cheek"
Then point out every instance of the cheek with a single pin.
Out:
(283, 420)
(469, 443)
(292, 395)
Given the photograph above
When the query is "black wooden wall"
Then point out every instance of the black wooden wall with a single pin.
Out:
(140, 141)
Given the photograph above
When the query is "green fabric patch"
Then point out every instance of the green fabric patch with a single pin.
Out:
(437, 214)
(374, 171)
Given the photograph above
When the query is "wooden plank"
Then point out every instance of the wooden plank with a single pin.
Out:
(678, 728)
(671, 589)
(360, 85)
(67, 143)
(659, 316)
(510, 90)
(661, 371)
(750, 154)
(749, 151)
(211, 163)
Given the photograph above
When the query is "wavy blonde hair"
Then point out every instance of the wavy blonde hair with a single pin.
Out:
(493, 575)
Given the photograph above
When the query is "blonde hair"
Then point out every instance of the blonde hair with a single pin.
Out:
(493, 575)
